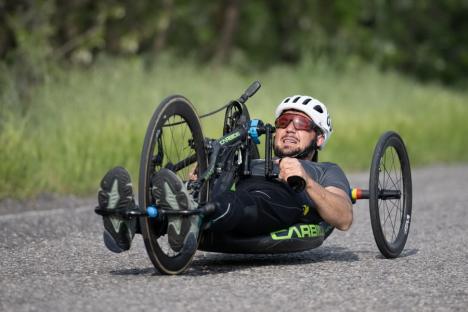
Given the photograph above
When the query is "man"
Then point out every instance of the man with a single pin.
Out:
(258, 205)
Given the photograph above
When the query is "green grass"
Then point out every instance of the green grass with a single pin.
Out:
(83, 121)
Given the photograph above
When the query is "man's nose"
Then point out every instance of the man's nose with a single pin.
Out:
(290, 127)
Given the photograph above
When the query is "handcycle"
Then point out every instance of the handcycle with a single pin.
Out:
(174, 140)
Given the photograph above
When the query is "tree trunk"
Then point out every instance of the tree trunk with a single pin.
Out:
(163, 26)
(228, 29)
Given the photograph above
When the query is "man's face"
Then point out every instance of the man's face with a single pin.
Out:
(289, 141)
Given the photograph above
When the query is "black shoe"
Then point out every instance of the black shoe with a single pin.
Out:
(116, 193)
(170, 193)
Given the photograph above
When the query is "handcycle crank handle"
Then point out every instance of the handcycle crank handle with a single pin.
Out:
(297, 183)
(251, 90)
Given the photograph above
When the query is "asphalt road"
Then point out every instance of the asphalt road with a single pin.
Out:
(54, 260)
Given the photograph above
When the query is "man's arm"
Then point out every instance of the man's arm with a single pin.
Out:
(333, 204)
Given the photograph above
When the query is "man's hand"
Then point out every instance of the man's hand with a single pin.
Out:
(289, 167)
(193, 173)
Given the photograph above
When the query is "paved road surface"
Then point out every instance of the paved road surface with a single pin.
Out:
(54, 260)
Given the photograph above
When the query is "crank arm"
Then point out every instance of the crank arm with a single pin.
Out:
(122, 213)
(207, 209)
(153, 212)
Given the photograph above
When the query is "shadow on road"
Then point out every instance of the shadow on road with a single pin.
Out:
(404, 254)
(216, 263)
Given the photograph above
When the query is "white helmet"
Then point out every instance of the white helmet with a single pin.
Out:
(313, 108)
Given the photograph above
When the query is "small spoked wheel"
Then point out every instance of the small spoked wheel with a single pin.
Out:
(237, 114)
(390, 194)
(174, 140)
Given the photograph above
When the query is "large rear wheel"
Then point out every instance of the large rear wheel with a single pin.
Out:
(390, 194)
(174, 140)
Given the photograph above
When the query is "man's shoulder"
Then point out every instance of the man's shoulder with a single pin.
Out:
(329, 165)
(327, 174)
(324, 165)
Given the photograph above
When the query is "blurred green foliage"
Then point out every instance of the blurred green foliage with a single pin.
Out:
(424, 38)
(85, 121)
(74, 71)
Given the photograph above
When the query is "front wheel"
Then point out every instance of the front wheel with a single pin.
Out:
(174, 140)
(390, 194)
(236, 115)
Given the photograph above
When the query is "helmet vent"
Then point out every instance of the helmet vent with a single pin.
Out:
(318, 108)
(306, 101)
(287, 100)
(296, 99)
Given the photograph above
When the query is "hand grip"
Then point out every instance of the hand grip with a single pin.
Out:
(251, 90)
(296, 183)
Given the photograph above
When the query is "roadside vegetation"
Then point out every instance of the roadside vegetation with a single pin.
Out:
(79, 121)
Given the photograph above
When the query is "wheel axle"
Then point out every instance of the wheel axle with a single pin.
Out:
(153, 212)
(357, 193)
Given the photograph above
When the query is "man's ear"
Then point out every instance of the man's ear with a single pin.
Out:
(320, 140)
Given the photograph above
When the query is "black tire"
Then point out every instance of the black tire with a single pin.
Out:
(174, 133)
(390, 216)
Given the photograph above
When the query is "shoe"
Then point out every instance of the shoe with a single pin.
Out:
(116, 193)
(170, 192)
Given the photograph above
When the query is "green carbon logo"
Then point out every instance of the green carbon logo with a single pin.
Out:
(298, 231)
(229, 138)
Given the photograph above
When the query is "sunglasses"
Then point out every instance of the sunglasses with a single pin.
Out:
(300, 122)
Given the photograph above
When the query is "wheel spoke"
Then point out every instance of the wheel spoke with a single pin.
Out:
(390, 178)
(185, 153)
(388, 215)
(395, 169)
(173, 143)
(384, 212)
(394, 223)
(398, 186)
(166, 152)
(391, 220)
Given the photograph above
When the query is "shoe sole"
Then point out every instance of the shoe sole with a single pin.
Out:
(176, 238)
(116, 192)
